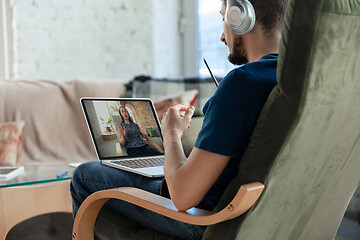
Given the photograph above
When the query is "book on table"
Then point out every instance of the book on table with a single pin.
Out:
(7, 173)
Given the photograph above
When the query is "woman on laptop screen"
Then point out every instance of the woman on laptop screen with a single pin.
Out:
(133, 137)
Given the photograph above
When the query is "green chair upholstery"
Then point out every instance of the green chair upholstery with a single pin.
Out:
(305, 147)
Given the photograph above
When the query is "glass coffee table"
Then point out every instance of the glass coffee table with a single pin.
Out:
(37, 191)
(39, 174)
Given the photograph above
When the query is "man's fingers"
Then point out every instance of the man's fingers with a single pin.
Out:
(179, 107)
(189, 112)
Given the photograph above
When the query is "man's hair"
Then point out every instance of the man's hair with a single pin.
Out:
(269, 13)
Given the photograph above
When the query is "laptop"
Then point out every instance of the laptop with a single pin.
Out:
(129, 139)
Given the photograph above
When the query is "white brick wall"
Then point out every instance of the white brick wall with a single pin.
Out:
(106, 39)
(167, 39)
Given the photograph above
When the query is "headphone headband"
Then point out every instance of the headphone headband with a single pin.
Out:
(240, 16)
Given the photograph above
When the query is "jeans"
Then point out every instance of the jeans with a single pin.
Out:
(92, 176)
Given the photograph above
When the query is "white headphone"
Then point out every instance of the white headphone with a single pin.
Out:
(240, 16)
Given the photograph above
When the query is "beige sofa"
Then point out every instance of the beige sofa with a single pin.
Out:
(55, 130)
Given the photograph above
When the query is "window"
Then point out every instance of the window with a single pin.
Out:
(6, 40)
(210, 28)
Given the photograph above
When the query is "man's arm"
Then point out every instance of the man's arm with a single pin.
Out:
(188, 179)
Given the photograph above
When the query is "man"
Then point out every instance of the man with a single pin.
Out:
(230, 115)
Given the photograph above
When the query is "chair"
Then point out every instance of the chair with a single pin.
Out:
(305, 147)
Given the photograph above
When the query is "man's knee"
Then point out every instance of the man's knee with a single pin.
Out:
(80, 174)
(85, 169)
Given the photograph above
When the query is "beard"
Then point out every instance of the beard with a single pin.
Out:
(237, 54)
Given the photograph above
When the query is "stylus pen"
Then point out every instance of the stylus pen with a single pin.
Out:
(61, 174)
(212, 75)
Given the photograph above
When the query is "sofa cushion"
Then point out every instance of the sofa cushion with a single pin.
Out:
(157, 89)
(189, 137)
(186, 98)
(55, 130)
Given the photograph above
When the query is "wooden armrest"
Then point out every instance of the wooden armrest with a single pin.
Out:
(86, 216)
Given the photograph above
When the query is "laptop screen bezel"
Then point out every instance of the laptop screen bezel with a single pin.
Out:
(83, 106)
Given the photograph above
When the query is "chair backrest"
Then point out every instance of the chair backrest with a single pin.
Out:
(305, 147)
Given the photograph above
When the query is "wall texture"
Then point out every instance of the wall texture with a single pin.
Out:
(92, 39)
(167, 38)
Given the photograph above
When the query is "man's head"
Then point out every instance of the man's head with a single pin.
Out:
(269, 17)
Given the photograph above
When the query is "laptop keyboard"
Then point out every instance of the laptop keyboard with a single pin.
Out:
(141, 162)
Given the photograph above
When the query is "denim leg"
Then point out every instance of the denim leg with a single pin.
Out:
(91, 177)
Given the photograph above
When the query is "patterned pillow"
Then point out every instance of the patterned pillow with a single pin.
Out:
(157, 89)
(186, 98)
(10, 139)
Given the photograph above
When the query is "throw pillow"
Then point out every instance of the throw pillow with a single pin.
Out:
(186, 98)
(10, 139)
(156, 89)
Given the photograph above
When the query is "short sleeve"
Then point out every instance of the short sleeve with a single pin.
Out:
(230, 115)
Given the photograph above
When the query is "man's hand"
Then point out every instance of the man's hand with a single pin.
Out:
(176, 120)
(188, 179)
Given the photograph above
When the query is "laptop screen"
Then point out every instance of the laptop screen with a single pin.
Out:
(123, 127)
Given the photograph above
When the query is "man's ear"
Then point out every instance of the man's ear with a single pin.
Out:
(240, 16)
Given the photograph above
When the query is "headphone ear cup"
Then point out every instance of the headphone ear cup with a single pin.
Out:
(240, 16)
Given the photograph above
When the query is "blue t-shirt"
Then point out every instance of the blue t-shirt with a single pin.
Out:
(230, 116)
